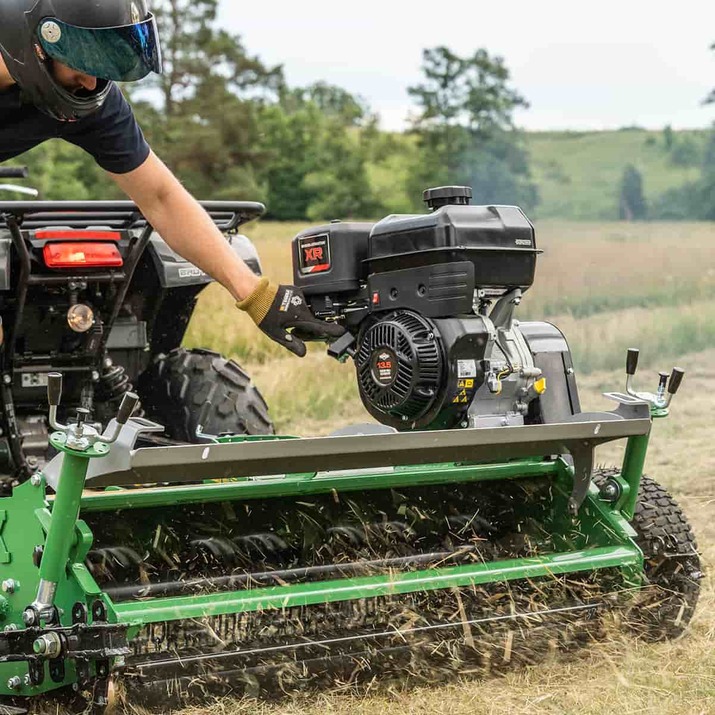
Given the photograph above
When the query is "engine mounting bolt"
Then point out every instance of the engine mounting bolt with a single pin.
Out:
(14, 683)
(36, 479)
(9, 585)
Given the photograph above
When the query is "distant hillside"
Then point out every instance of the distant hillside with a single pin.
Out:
(578, 173)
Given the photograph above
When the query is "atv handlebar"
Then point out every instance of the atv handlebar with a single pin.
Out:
(14, 172)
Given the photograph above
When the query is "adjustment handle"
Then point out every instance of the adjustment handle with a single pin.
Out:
(14, 172)
(632, 361)
(129, 403)
(54, 388)
(676, 377)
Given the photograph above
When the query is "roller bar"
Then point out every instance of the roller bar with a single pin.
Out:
(183, 464)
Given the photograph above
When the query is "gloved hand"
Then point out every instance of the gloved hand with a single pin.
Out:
(278, 309)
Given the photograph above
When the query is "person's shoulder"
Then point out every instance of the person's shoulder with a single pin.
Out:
(115, 103)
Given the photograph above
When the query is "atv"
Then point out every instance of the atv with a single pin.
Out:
(91, 290)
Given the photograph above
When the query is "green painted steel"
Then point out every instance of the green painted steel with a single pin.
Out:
(278, 597)
(65, 512)
(296, 485)
(632, 471)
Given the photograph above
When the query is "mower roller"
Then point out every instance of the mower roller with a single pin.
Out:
(465, 529)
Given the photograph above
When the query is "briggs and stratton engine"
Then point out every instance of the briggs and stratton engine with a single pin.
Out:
(429, 303)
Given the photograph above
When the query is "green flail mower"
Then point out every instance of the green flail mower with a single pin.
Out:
(466, 529)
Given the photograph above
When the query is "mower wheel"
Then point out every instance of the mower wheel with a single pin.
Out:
(672, 565)
(176, 387)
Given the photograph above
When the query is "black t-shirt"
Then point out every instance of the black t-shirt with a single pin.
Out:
(111, 135)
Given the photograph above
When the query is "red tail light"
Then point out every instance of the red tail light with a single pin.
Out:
(65, 235)
(77, 255)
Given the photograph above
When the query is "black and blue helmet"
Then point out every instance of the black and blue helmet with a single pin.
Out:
(112, 40)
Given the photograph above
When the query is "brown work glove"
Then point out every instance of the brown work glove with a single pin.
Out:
(278, 309)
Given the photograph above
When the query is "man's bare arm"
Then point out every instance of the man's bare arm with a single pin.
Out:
(185, 226)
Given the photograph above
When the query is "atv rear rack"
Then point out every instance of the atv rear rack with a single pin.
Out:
(227, 215)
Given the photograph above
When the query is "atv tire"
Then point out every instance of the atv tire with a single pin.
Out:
(176, 387)
(672, 565)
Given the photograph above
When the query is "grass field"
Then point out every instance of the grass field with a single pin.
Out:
(609, 286)
(578, 174)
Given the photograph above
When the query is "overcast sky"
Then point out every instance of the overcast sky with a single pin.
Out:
(595, 65)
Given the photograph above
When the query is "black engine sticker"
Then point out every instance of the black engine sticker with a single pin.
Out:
(314, 254)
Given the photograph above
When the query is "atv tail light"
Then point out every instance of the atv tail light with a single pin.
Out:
(74, 255)
(84, 235)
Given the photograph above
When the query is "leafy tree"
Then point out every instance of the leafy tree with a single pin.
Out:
(668, 137)
(466, 130)
(632, 204)
(316, 164)
(206, 124)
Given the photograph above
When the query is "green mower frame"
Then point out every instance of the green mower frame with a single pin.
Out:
(78, 637)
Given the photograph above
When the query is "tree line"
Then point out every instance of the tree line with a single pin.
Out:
(230, 126)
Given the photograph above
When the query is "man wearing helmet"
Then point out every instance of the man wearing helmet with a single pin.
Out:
(59, 61)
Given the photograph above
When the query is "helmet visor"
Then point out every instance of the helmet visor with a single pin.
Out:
(122, 54)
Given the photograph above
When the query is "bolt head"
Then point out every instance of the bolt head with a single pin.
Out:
(39, 646)
(29, 617)
(95, 376)
(36, 479)
(9, 585)
(14, 683)
(7, 379)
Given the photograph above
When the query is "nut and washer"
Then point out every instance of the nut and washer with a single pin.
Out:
(9, 585)
(14, 683)
(48, 645)
(36, 479)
